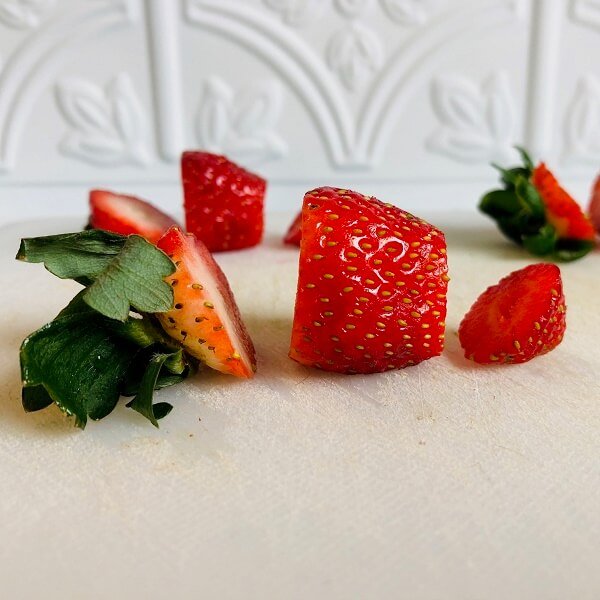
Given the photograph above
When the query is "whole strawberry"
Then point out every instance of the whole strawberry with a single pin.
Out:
(521, 317)
(372, 285)
(534, 211)
(223, 202)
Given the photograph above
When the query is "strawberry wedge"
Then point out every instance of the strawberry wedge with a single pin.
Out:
(205, 318)
(293, 237)
(127, 215)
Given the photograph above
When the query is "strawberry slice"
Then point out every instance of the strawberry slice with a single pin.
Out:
(534, 211)
(127, 215)
(205, 318)
(294, 233)
(223, 202)
(372, 285)
(561, 209)
(518, 319)
(594, 209)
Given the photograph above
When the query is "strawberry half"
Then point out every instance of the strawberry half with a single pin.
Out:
(372, 285)
(594, 210)
(534, 211)
(294, 233)
(205, 318)
(518, 319)
(127, 215)
(223, 202)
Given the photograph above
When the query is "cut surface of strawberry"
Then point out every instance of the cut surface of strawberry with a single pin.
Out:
(223, 202)
(294, 233)
(535, 212)
(561, 209)
(372, 285)
(127, 215)
(521, 317)
(205, 318)
(594, 209)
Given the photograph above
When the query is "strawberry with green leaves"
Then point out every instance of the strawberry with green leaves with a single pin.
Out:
(535, 212)
(372, 285)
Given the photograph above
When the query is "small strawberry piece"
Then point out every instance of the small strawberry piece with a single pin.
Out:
(562, 211)
(372, 285)
(594, 210)
(223, 202)
(127, 215)
(205, 318)
(294, 234)
(518, 319)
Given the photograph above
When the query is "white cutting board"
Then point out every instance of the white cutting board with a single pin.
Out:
(442, 481)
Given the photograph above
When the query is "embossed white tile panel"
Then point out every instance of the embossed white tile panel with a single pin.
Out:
(367, 92)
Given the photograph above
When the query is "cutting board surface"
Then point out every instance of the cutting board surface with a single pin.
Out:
(445, 480)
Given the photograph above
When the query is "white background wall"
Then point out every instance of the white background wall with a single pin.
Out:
(409, 99)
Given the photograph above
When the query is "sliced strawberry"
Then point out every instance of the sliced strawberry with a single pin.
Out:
(205, 317)
(561, 209)
(534, 211)
(127, 215)
(372, 285)
(294, 233)
(223, 202)
(518, 319)
(594, 210)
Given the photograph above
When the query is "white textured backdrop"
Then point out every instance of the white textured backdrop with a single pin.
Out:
(399, 97)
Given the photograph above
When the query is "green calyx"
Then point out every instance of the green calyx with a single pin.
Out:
(106, 343)
(520, 214)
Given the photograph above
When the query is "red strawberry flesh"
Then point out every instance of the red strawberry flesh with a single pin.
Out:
(223, 202)
(294, 233)
(127, 215)
(521, 317)
(594, 210)
(372, 285)
(205, 317)
(562, 211)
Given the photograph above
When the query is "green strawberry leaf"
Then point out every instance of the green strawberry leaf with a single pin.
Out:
(142, 402)
(134, 278)
(80, 256)
(568, 250)
(78, 363)
(543, 242)
(120, 272)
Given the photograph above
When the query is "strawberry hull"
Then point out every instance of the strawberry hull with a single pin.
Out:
(223, 202)
(372, 286)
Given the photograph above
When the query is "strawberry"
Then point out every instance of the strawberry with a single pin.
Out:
(372, 285)
(127, 215)
(223, 202)
(534, 211)
(561, 210)
(294, 233)
(518, 319)
(205, 317)
(594, 210)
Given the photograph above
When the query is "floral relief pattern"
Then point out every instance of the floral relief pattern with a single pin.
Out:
(355, 53)
(410, 12)
(586, 12)
(297, 12)
(108, 126)
(582, 123)
(477, 123)
(24, 14)
(241, 124)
